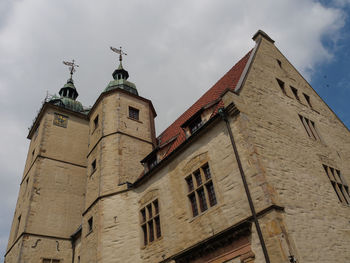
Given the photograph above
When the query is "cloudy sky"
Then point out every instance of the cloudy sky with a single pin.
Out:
(176, 51)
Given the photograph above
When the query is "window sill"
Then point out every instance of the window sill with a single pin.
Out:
(151, 243)
(209, 210)
(135, 120)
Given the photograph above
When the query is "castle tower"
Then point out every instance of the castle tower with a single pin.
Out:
(121, 133)
(51, 196)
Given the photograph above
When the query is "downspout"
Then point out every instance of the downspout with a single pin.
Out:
(223, 115)
(73, 248)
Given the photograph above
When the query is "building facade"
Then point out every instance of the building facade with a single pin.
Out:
(256, 170)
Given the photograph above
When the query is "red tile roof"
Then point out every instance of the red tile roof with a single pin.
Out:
(228, 81)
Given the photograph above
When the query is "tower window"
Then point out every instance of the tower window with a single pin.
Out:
(201, 190)
(150, 222)
(90, 224)
(339, 185)
(281, 84)
(96, 122)
(93, 166)
(295, 92)
(134, 113)
(279, 63)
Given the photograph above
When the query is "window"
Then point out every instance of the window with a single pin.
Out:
(340, 187)
(150, 222)
(310, 128)
(50, 260)
(195, 124)
(281, 84)
(96, 122)
(279, 63)
(307, 98)
(295, 92)
(200, 190)
(134, 113)
(90, 224)
(153, 161)
(93, 166)
(60, 120)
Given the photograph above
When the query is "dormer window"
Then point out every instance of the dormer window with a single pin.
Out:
(152, 162)
(195, 124)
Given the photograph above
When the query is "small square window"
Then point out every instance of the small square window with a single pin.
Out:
(279, 63)
(295, 92)
(96, 122)
(90, 224)
(281, 84)
(307, 98)
(134, 113)
(93, 166)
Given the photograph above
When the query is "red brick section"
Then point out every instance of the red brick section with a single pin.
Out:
(228, 81)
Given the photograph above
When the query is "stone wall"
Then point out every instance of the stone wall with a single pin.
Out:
(292, 161)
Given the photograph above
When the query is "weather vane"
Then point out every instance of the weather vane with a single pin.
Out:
(72, 66)
(119, 51)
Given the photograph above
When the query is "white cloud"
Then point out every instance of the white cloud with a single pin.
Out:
(176, 51)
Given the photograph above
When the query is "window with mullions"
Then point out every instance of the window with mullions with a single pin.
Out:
(201, 191)
(310, 128)
(340, 187)
(150, 222)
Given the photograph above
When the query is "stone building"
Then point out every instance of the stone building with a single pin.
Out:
(256, 170)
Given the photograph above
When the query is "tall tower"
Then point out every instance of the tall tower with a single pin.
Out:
(121, 134)
(51, 196)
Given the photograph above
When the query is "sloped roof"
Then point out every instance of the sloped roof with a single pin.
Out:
(228, 81)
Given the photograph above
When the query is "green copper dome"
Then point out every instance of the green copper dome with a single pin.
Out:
(67, 99)
(120, 76)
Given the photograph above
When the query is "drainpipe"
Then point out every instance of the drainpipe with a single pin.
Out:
(223, 115)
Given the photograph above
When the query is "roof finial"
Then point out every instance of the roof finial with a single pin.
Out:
(120, 52)
(72, 66)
